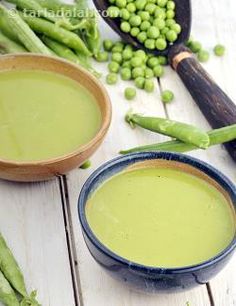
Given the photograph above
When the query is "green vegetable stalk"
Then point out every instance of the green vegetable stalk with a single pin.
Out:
(12, 272)
(216, 136)
(61, 35)
(7, 294)
(181, 131)
(9, 46)
(23, 32)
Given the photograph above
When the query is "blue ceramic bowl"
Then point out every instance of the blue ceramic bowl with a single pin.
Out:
(152, 279)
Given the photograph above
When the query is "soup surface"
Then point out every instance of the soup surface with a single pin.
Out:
(161, 217)
(44, 115)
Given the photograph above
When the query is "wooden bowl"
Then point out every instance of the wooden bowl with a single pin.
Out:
(46, 169)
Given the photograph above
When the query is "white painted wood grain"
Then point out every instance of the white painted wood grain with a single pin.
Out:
(31, 221)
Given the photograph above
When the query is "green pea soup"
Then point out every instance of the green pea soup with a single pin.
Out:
(44, 115)
(161, 216)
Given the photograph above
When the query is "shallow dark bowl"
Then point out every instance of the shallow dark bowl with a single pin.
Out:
(154, 279)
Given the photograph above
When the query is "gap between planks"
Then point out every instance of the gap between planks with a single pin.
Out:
(70, 240)
(207, 286)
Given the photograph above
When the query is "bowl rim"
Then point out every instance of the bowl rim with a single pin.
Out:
(128, 159)
(105, 122)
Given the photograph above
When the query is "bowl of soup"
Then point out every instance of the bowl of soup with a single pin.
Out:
(53, 116)
(159, 221)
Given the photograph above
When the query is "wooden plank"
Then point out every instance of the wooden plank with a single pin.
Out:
(97, 287)
(31, 221)
(210, 32)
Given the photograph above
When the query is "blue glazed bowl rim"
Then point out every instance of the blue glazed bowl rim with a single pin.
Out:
(132, 158)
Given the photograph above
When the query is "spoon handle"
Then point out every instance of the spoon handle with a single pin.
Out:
(216, 106)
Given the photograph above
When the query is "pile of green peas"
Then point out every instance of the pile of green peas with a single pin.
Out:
(152, 22)
(130, 64)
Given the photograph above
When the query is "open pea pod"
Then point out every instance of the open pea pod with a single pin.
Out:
(7, 294)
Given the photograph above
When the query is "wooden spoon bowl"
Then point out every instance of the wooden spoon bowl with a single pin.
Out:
(46, 169)
(183, 17)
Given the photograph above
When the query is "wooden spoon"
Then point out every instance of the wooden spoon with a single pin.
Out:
(216, 106)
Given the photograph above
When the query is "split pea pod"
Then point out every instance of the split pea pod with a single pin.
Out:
(217, 136)
(61, 35)
(181, 131)
(7, 294)
(9, 46)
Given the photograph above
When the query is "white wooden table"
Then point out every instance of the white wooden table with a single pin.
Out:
(40, 220)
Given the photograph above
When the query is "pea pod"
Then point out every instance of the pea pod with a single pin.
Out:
(181, 131)
(216, 136)
(9, 46)
(61, 35)
(7, 294)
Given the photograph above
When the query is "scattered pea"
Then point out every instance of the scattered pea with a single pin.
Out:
(167, 96)
(219, 50)
(148, 73)
(134, 31)
(139, 82)
(203, 56)
(136, 61)
(152, 62)
(137, 72)
(149, 85)
(158, 71)
(113, 11)
(141, 54)
(102, 56)
(125, 73)
(162, 60)
(86, 165)
(113, 67)
(117, 57)
(130, 93)
(127, 54)
(111, 78)
(195, 46)
(107, 45)
(125, 26)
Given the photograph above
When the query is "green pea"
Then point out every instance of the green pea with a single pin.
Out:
(160, 13)
(161, 44)
(126, 64)
(118, 47)
(139, 82)
(176, 27)
(145, 25)
(152, 62)
(131, 7)
(125, 26)
(219, 50)
(130, 93)
(102, 56)
(195, 46)
(171, 36)
(149, 44)
(127, 54)
(117, 57)
(141, 54)
(142, 36)
(162, 60)
(148, 73)
(164, 31)
(113, 12)
(113, 67)
(158, 71)
(149, 85)
(107, 45)
(150, 8)
(167, 96)
(135, 20)
(86, 165)
(125, 74)
(145, 16)
(170, 14)
(170, 22)
(134, 31)
(121, 3)
(140, 4)
(136, 61)
(153, 32)
(112, 1)
(203, 56)
(124, 14)
(170, 5)
(137, 72)
(159, 23)
(111, 78)
(162, 3)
